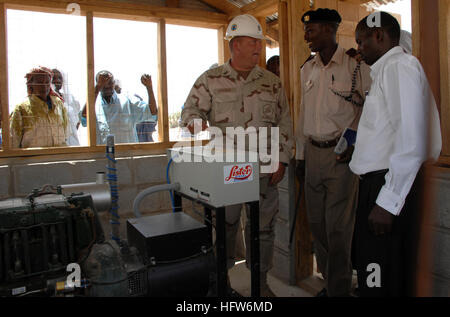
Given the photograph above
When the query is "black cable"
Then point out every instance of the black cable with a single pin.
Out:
(108, 283)
(349, 98)
(154, 263)
(182, 259)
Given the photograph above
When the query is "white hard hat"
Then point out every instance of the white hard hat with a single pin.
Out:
(244, 25)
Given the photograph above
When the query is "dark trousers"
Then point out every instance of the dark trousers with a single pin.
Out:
(395, 252)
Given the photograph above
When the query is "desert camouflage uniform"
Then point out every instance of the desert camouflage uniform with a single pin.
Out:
(225, 99)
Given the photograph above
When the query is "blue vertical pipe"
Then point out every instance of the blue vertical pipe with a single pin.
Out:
(112, 179)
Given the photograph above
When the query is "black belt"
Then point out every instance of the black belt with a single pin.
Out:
(324, 144)
(367, 175)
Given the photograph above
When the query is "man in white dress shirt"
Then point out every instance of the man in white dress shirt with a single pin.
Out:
(398, 131)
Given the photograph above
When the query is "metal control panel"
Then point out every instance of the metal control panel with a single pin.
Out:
(218, 182)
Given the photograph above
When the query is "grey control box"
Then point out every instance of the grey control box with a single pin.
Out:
(204, 176)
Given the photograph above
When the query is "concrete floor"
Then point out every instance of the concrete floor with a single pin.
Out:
(240, 282)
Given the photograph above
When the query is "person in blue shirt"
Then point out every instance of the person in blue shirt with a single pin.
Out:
(117, 114)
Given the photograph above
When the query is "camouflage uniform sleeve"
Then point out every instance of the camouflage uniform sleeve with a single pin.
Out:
(198, 102)
(285, 126)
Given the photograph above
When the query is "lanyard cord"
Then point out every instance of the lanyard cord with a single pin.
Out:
(353, 91)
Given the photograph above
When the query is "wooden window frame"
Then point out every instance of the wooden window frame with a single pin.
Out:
(430, 39)
(112, 10)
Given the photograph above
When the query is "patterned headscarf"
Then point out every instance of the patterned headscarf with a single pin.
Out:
(41, 70)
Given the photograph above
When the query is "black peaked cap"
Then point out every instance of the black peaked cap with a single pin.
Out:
(321, 16)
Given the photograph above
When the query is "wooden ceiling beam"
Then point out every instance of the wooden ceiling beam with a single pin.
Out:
(224, 6)
(272, 33)
(132, 11)
(172, 3)
(273, 23)
(371, 3)
(354, 1)
(261, 8)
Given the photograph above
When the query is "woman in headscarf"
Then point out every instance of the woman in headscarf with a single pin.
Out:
(41, 120)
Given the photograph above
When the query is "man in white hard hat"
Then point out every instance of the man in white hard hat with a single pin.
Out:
(241, 94)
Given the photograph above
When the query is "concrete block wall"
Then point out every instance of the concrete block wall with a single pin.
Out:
(284, 255)
(18, 179)
(284, 251)
(5, 174)
(440, 225)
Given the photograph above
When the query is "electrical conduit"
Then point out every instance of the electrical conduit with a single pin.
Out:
(149, 191)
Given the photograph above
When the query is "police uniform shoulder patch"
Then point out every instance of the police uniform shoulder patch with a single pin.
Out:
(307, 60)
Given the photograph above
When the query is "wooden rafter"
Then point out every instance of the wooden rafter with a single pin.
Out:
(261, 8)
(258, 8)
(224, 6)
(273, 23)
(272, 32)
(132, 11)
(373, 4)
(172, 3)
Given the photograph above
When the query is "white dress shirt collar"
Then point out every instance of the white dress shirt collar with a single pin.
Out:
(376, 67)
